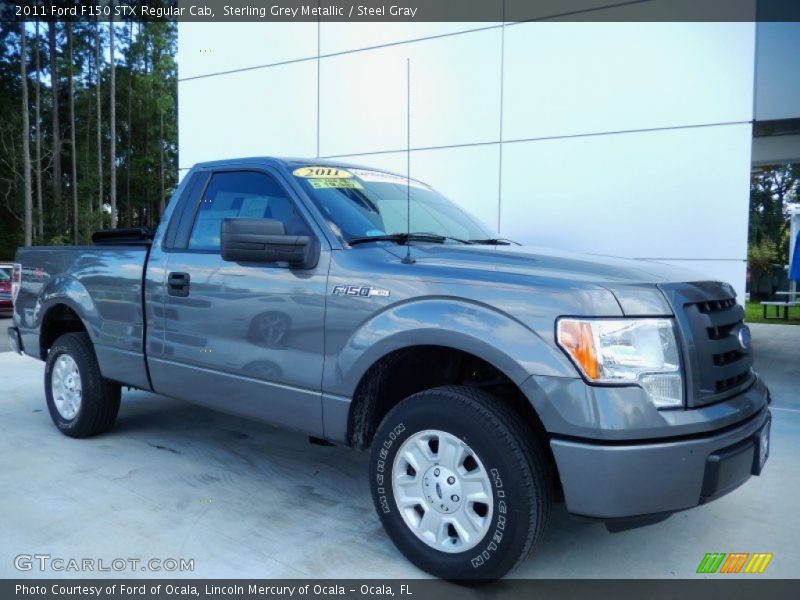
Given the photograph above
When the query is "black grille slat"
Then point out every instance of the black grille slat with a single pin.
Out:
(728, 371)
(727, 358)
(721, 332)
(710, 306)
(724, 385)
(723, 318)
(726, 344)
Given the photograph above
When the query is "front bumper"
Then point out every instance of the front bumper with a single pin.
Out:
(621, 479)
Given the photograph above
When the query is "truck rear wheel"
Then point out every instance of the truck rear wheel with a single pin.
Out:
(80, 401)
(460, 485)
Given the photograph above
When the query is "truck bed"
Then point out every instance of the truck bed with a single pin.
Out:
(103, 286)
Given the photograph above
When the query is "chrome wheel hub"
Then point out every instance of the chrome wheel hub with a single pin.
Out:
(442, 491)
(65, 383)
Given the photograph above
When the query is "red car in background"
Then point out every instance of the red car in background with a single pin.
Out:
(6, 305)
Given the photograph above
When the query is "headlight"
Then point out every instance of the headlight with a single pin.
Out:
(643, 352)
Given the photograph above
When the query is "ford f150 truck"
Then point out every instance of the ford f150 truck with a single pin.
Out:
(362, 307)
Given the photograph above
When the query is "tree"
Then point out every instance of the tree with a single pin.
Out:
(75, 117)
(55, 133)
(771, 191)
(26, 132)
(73, 148)
(112, 118)
(38, 139)
(129, 137)
(99, 124)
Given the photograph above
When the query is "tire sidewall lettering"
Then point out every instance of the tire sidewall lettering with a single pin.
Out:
(381, 466)
(495, 535)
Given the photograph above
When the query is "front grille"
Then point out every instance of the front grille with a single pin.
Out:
(709, 320)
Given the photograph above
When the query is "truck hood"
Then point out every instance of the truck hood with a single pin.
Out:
(546, 263)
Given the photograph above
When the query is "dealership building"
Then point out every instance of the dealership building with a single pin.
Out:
(617, 138)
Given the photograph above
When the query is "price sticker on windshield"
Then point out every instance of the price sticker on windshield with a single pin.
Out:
(322, 173)
(334, 183)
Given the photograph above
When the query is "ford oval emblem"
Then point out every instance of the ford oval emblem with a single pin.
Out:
(744, 337)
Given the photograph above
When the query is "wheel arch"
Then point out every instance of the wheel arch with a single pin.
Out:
(58, 319)
(64, 305)
(406, 371)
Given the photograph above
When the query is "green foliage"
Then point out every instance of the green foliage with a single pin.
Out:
(754, 313)
(60, 240)
(770, 193)
(760, 257)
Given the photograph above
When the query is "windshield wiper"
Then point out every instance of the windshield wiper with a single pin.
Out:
(404, 238)
(495, 242)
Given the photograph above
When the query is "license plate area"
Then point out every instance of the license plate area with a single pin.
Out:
(762, 442)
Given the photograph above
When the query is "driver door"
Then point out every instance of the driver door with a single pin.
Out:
(245, 338)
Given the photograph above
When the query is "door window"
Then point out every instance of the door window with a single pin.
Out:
(244, 194)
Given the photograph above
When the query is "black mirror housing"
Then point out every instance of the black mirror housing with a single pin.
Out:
(265, 241)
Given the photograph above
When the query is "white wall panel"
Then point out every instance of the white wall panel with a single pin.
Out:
(252, 113)
(394, 162)
(344, 37)
(205, 48)
(664, 194)
(455, 95)
(574, 78)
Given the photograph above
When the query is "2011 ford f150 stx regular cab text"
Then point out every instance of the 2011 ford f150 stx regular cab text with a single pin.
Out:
(486, 378)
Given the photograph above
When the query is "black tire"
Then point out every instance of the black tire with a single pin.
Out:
(520, 480)
(100, 398)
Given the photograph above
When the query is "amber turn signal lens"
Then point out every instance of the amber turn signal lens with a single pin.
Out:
(577, 339)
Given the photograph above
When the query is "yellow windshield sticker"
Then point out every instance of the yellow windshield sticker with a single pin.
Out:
(350, 184)
(321, 173)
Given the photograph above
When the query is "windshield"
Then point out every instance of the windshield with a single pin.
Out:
(360, 203)
(5, 274)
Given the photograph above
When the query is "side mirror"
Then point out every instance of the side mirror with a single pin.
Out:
(265, 241)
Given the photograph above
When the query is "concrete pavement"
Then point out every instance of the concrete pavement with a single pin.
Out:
(246, 500)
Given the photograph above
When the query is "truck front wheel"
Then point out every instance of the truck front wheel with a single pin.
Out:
(80, 401)
(461, 486)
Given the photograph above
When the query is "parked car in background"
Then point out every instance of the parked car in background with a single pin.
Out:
(6, 305)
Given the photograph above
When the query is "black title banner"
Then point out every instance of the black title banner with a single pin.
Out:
(401, 10)
(338, 589)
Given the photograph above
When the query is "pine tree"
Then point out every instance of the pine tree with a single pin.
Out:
(73, 148)
(99, 125)
(38, 138)
(112, 119)
(26, 134)
(56, 132)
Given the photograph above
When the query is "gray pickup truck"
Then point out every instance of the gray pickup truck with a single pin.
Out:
(358, 306)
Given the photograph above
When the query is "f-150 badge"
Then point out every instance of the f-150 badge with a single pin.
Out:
(364, 291)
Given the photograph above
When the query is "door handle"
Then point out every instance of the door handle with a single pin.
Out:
(178, 284)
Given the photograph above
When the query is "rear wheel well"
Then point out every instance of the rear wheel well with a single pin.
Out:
(407, 371)
(60, 319)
